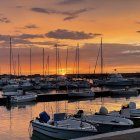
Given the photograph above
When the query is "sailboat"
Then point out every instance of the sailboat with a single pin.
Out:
(80, 93)
(113, 79)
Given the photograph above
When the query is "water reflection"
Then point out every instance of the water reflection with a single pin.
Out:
(10, 106)
(15, 118)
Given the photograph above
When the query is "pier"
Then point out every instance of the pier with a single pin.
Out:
(43, 97)
(131, 134)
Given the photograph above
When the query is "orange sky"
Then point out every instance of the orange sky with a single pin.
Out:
(41, 24)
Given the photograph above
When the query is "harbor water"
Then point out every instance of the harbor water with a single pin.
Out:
(15, 118)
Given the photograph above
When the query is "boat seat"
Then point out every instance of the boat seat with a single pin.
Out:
(59, 116)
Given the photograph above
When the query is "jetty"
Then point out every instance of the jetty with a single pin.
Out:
(43, 97)
(130, 134)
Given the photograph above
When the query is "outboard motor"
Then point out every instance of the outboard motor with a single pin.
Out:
(132, 105)
(44, 117)
(79, 114)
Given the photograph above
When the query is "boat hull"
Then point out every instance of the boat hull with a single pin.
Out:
(23, 99)
(104, 128)
(81, 94)
(61, 133)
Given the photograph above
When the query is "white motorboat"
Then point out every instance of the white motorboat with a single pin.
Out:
(114, 79)
(106, 123)
(26, 85)
(62, 127)
(83, 93)
(129, 111)
(13, 93)
(10, 88)
(125, 91)
(23, 98)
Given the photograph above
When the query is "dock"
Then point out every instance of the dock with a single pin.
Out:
(44, 97)
(130, 134)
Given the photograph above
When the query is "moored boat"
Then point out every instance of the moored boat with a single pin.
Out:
(13, 93)
(126, 91)
(23, 98)
(62, 127)
(83, 93)
(129, 111)
(105, 123)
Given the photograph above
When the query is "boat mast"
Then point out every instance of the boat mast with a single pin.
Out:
(66, 60)
(78, 58)
(101, 57)
(10, 55)
(18, 65)
(56, 60)
(76, 62)
(48, 61)
(43, 63)
(30, 62)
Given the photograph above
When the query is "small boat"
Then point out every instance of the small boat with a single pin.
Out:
(10, 88)
(126, 91)
(84, 93)
(129, 111)
(26, 85)
(62, 127)
(13, 93)
(23, 98)
(114, 79)
(106, 123)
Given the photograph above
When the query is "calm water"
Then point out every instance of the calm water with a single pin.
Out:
(15, 120)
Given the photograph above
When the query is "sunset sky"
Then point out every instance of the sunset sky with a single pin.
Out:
(41, 24)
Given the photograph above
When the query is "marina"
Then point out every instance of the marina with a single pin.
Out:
(21, 114)
(69, 69)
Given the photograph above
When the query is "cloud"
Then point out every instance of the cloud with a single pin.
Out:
(25, 39)
(30, 26)
(73, 35)
(30, 36)
(19, 6)
(76, 13)
(131, 52)
(70, 17)
(138, 31)
(65, 2)
(42, 10)
(69, 14)
(4, 19)
(137, 22)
